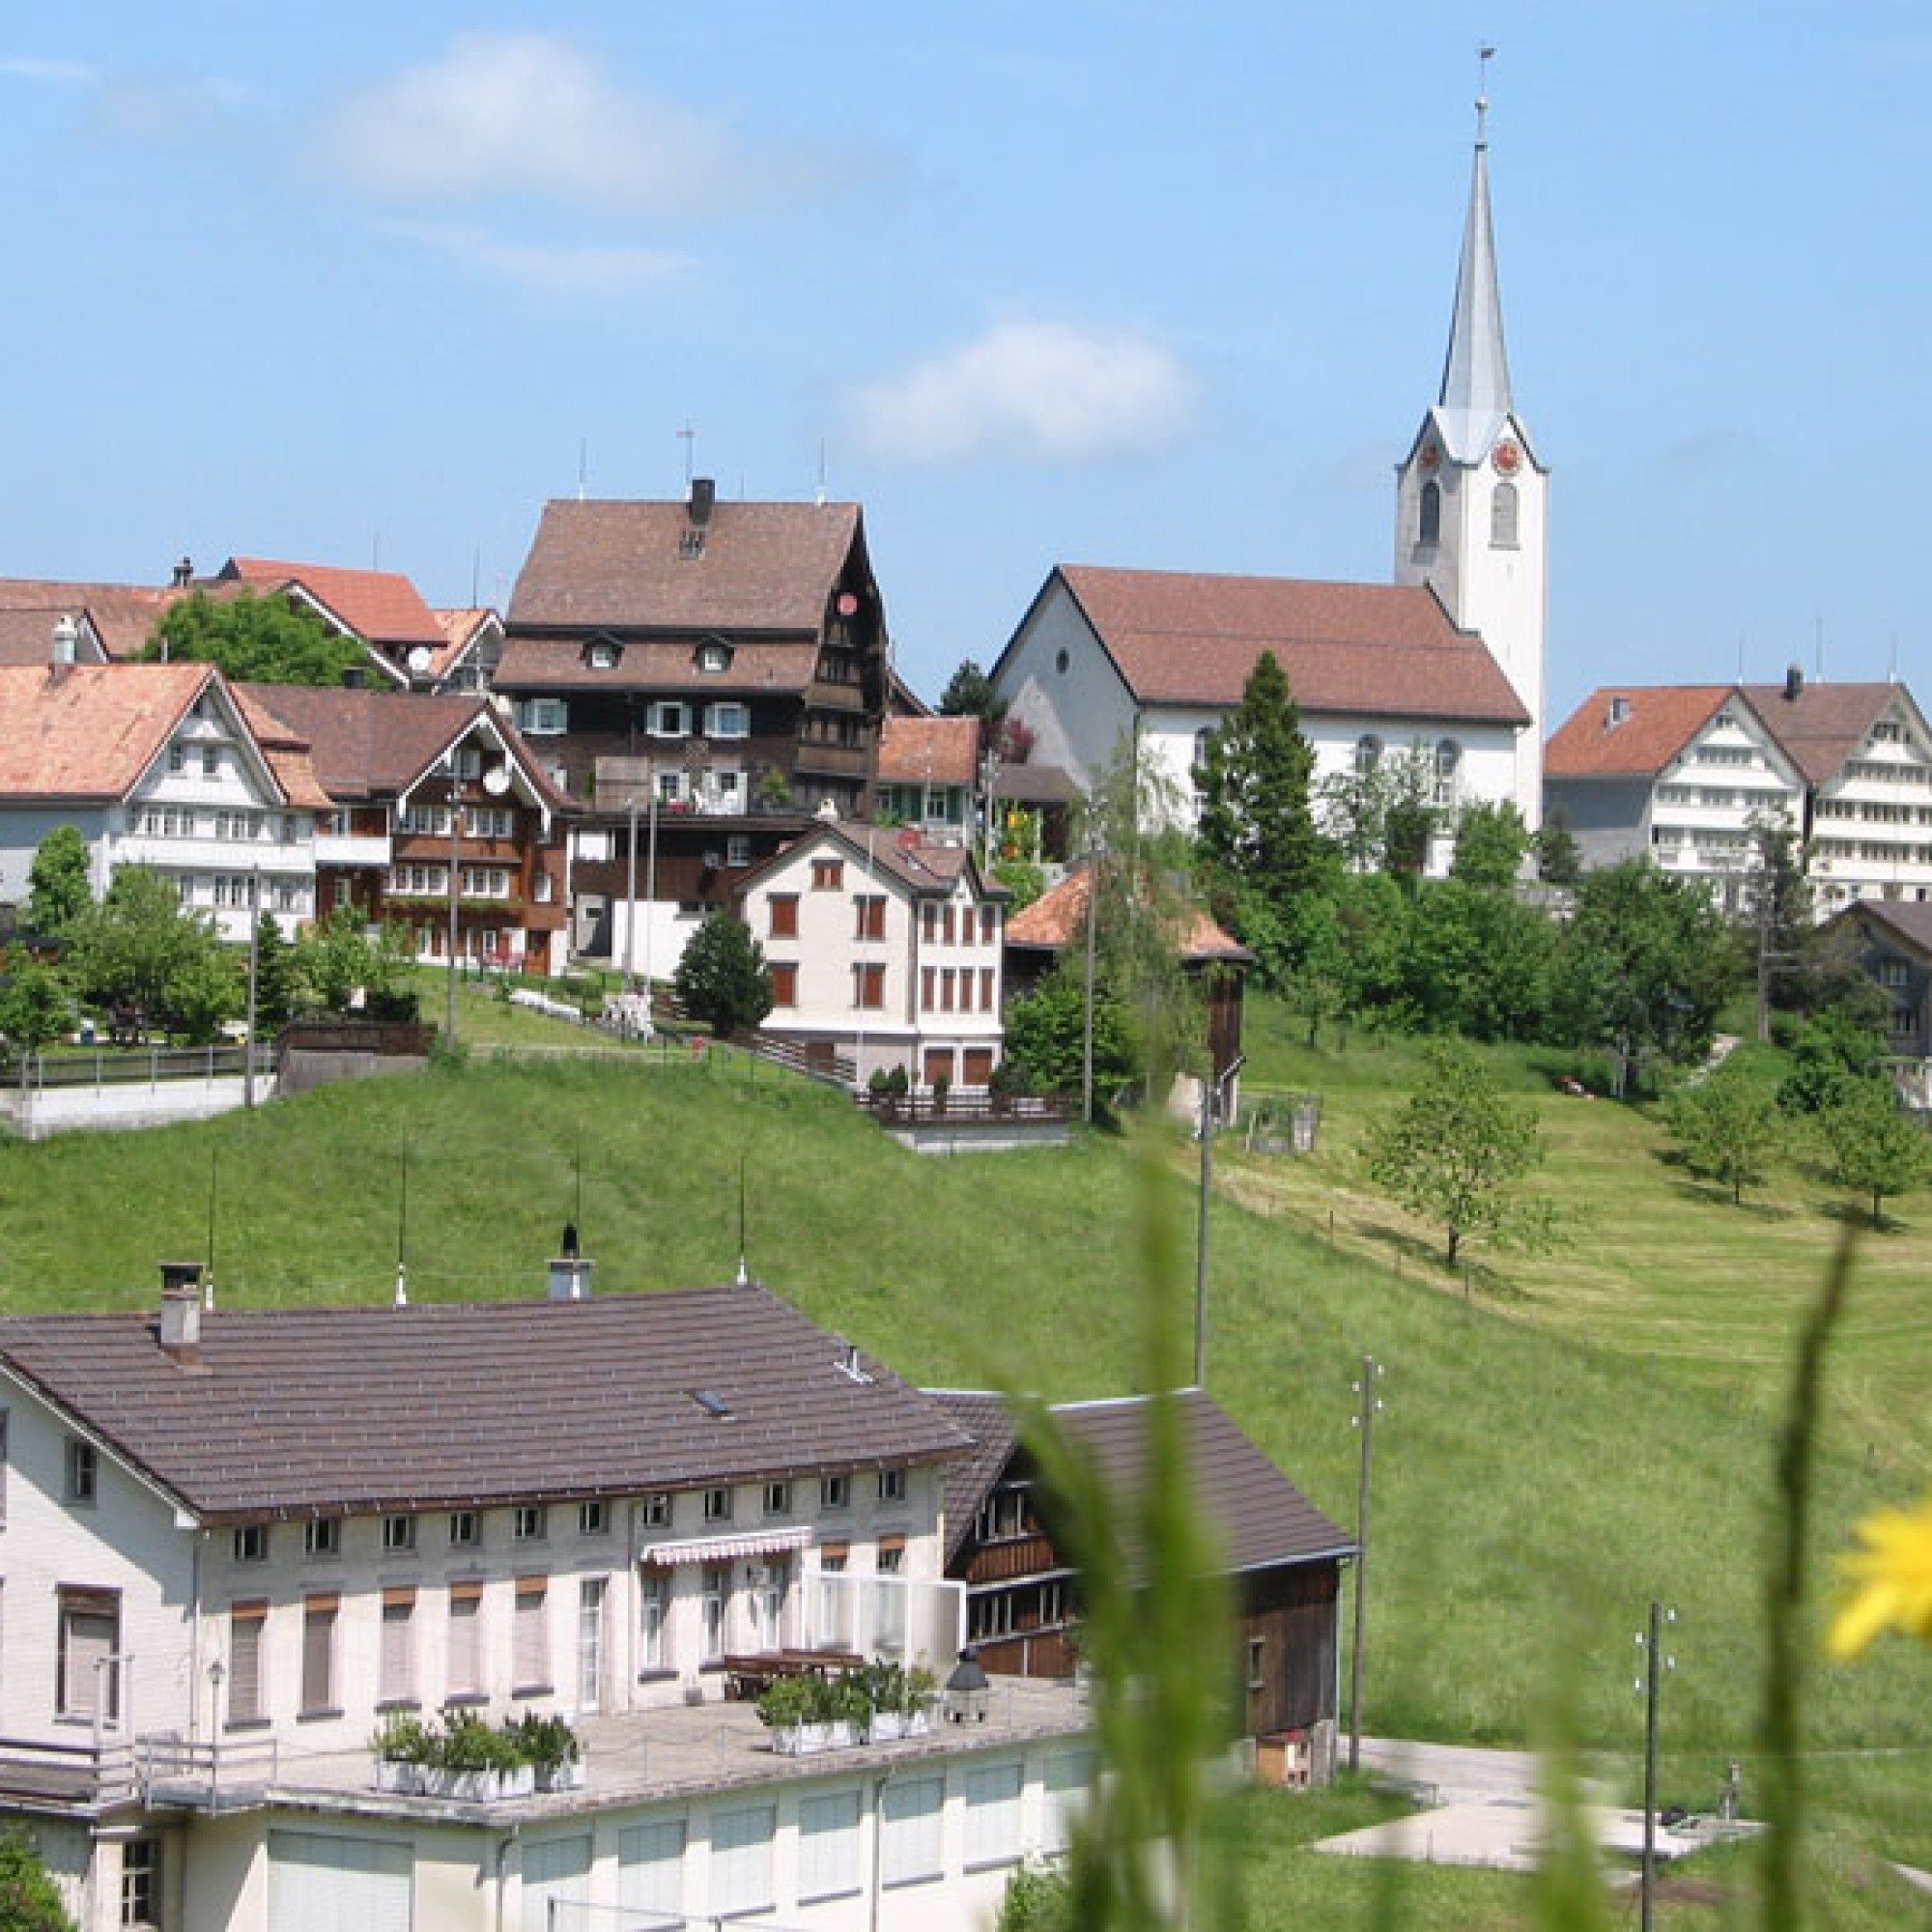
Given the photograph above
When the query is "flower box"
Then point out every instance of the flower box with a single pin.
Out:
(809, 1740)
(567, 1775)
(889, 1726)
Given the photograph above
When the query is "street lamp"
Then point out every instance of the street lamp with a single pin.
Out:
(215, 1674)
(1654, 1664)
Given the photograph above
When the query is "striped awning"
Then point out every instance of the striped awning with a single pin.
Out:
(725, 1549)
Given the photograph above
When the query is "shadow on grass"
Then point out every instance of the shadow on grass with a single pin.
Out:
(1418, 1258)
(1714, 1193)
(1856, 1214)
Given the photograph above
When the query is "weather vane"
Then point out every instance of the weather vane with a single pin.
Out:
(1485, 54)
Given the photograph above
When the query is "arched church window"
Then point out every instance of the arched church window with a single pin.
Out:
(1430, 528)
(1502, 517)
(1448, 762)
(1369, 749)
(1201, 743)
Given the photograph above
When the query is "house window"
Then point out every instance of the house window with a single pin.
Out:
(869, 987)
(590, 1595)
(210, 762)
(833, 1558)
(462, 1649)
(716, 1587)
(1256, 1663)
(652, 1621)
(835, 1492)
(945, 924)
(727, 720)
(1428, 529)
(670, 718)
(466, 1529)
(738, 851)
(992, 1816)
(246, 1624)
(985, 989)
(989, 925)
(1893, 973)
(604, 656)
(828, 1847)
(929, 977)
(529, 1659)
(778, 1499)
(396, 1673)
(531, 1522)
(657, 1509)
(871, 917)
(250, 1543)
(86, 1677)
(1368, 753)
(928, 923)
(141, 1882)
(714, 657)
(83, 1470)
(342, 889)
(784, 915)
(892, 1485)
(177, 757)
(1503, 516)
(399, 1535)
(911, 1814)
(828, 875)
(543, 716)
(321, 1536)
(717, 1506)
(1448, 762)
(945, 990)
(318, 1658)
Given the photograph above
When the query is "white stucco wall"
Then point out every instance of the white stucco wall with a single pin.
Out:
(1078, 713)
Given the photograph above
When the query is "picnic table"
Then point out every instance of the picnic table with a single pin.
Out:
(748, 1673)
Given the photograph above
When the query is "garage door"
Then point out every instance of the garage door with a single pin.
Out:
(319, 1882)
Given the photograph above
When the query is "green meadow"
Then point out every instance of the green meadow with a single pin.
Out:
(1566, 1435)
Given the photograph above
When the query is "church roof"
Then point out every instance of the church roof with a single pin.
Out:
(1475, 399)
(1358, 649)
(1631, 731)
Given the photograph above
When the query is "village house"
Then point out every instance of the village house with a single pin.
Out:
(929, 776)
(1283, 1557)
(158, 765)
(398, 767)
(885, 952)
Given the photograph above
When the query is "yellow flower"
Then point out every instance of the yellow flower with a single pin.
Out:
(1893, 1579)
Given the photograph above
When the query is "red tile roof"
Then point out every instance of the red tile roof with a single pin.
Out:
(27, 635)
(321, 1411)
(381, 606)
(124, 615)
(1656, 723)
(94, 730)
(619, 566)
(1058, 919)
(1181, 637)
(928, 750)
(1824, 724)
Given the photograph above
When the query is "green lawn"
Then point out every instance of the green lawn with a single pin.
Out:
(1583, 1432)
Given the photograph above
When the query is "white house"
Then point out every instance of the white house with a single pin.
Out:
(234, 1542)
(157, 765)
(883, 948)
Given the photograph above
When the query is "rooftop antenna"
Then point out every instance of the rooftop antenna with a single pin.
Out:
(213, 1176)
(821, 472)
(475, 576)
(1891, 661)
(744, 1273)
(583, 464)
(687, 435)
(1484, 56)
(403, 1234)
(1741, 657)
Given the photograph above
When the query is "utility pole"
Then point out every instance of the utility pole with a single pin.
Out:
(631, 903)
(1365, 1421)
(1087, 1028)
(254, 970)
(650, 875)
(1213, 1094)
(1656, 1662)
(455, 826)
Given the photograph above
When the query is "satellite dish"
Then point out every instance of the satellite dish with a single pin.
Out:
(420, 659)
(496, 781)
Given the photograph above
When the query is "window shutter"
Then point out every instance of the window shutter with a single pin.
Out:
(246, 1623)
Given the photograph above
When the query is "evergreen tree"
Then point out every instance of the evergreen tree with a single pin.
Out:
(59, 887)
(278, 976)
(1559, 859)
(723, 979)
(970, 694)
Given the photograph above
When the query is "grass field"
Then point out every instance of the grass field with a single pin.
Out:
(1582, 1432)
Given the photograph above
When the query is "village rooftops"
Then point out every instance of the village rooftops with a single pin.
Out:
(1058, 919)
(124, 615)
(380, 606)
(331, 1412)
(929, 751)
(1631, 731)
(1187, 639)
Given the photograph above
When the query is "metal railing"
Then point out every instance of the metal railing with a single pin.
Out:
(962, 1108)
(136, 1065)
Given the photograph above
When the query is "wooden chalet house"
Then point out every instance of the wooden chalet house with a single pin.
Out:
(701, 676)
(394, 764)
(1284, 1559)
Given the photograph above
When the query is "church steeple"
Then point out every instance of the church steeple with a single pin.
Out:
(1476, 393)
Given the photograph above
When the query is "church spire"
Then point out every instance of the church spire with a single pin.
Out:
(1476, 393)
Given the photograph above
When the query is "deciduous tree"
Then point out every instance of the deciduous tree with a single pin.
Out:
(29, 1899)
(59, 883)
(262, 639)
(723, 979)
(1876, 1147)
(1492, 842)
(140, 944)
(1727, 1127)
(35, 1004)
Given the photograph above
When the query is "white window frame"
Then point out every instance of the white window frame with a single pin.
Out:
(729, 717)
(670, 718)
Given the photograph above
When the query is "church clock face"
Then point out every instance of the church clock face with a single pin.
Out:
(1508, 458)
(1432, 458)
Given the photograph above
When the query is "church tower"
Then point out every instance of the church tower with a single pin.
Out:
(1472, 498)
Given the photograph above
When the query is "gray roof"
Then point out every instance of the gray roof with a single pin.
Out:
(1263, 1519)
(348, 1410)
(1475, 399)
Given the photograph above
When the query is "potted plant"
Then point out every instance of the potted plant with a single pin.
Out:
(552, 1749)
(784, 1708)
(403, 1744)
(847, 1706)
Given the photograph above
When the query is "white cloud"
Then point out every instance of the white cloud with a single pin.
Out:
(52, 72)
(1040, 392)
(524, 113)
(550, 268)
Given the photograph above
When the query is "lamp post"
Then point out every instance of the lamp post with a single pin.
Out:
(1213, 1096)
(1656, 1662)
(215, 1674)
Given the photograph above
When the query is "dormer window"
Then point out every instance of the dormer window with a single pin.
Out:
(714, 657)
(601, 654)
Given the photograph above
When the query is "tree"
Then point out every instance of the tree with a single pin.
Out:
(1410, 811)
(35, 1006)
(1455, 1151)
(277, 975)
(260, 639)
(1876, 1148)
(1046, 1035)
(970, 694)
(140, 948)
(1727, 1127)
(342, 963)
(1832, 1054)
(1779, 913)
(59, 883)
(1256, 827)
(723, 978)
(1492, 842)
(30, 1901)
(1559, 859)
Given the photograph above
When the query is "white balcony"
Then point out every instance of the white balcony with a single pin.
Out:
(352, 848)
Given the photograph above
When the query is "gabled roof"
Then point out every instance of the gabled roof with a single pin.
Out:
(1374, 649)
(896, 854)
(1907, 920)
(462, 630)
(338, 1410)
(624, 567)
(380, 606)
(124, 615)
(27, 635)
(1263, 1518)
(376, 743)
(1058, 919)
(928, 750)
(91, 731)
(1631, 731)
(1822, 725)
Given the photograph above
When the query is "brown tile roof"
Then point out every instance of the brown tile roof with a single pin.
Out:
(1824, 724)
(124, 615)
(1263, 1518)
(656, 664)
(1660, 720)
(1034, 784)
(928, 750)
(381, 606)
(460, 629)
(1058, 919)
(287, 751)
(617, 566)
(320, 1410)
(93, 731)
(27, 634)
(1908, 920)
(1181, 637)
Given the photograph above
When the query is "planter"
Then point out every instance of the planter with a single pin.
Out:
(809, 1740)
(889, 1726)
(479, 1787)
(568, 1776)
(399, 1778)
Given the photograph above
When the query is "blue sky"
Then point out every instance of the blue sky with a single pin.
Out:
(1107, 283)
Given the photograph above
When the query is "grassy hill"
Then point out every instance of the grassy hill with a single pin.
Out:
(1578, 1434)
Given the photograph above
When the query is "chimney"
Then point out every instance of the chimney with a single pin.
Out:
(1794, 683)
(703, 497)
(570, 1278)
(67, 642)
(183, 573)
(180, 1311)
